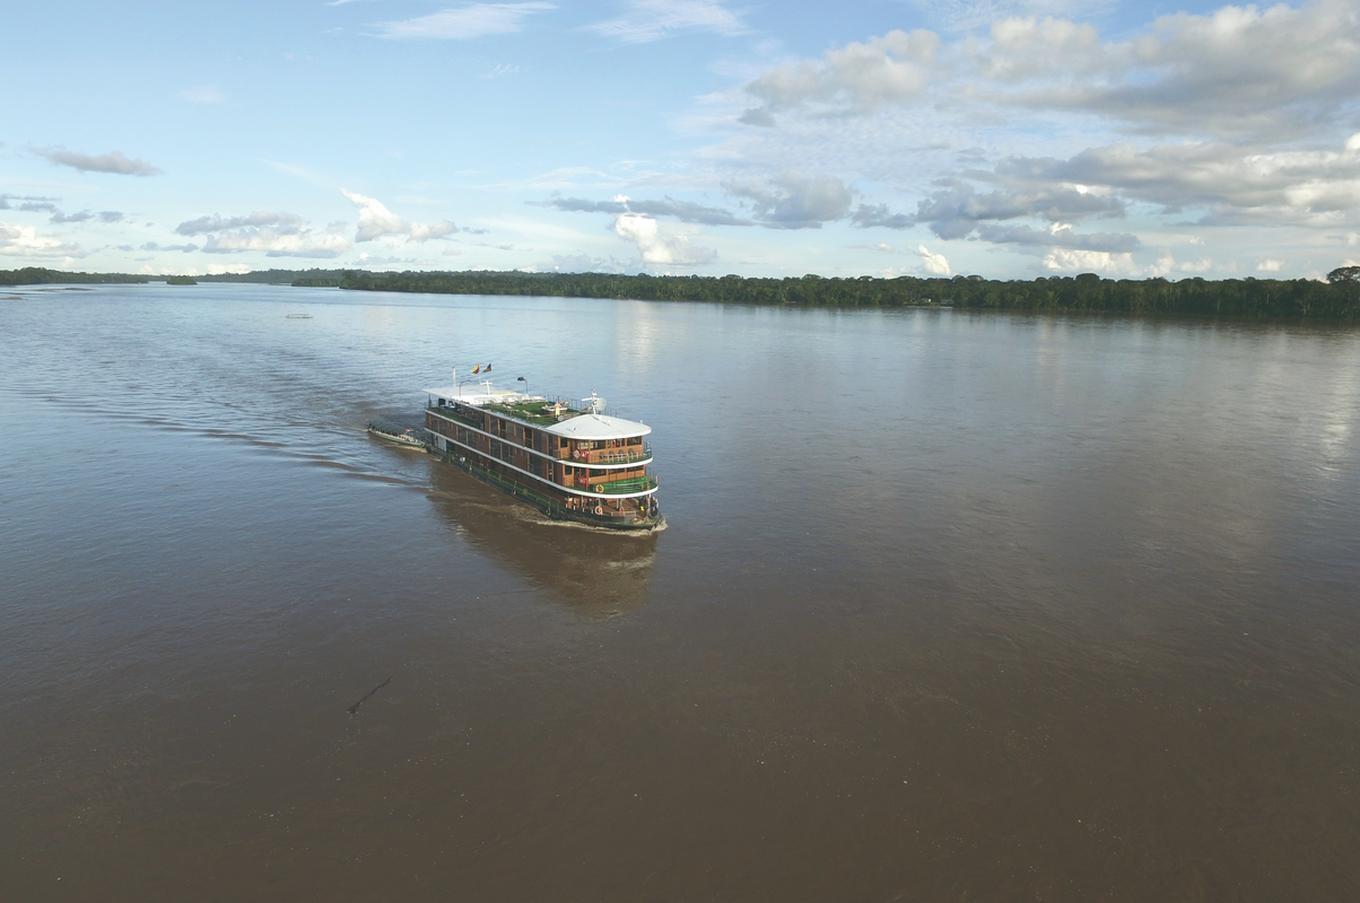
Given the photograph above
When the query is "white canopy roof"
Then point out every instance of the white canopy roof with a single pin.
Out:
(598, 426)
(480, 394)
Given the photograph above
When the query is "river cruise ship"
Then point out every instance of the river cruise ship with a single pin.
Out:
(572, 461)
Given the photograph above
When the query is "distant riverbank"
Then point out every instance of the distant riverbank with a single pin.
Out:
(1338, 298)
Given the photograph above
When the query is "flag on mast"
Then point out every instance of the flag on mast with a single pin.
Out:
(488, 368)
(477, 369)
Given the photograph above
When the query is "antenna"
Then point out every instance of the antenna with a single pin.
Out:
(596, 402)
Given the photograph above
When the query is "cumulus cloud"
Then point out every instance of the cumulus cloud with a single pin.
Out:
(684, 211)
(643, 21)
(25, 242)
(658, 247)
(462, 23)
(1269, 265)
(932, 263)
(878, 215)
(1030, 47)
(115, 162)
(1267, 72)
(857, 77)
(272, 233)
(283, 223)
(270, 242)
(376, 221)
(1239, 70)
(1234, 187)
(1074, 260)
(1059, 235)
(957, 209)
(584, 263)
(795, 201)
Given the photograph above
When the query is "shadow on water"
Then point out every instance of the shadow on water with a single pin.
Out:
(598, 573)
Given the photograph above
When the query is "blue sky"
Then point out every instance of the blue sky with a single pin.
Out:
(1009, 138)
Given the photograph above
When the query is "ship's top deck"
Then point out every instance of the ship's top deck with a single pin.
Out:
(594, 427)
(556, 417)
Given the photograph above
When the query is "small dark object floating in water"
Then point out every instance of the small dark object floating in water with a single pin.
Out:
(354, 709)
(406, 438)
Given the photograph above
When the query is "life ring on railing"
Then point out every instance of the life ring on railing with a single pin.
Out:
(599, 510)
(599, 487)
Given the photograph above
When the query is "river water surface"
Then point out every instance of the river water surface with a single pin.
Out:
(951, 606)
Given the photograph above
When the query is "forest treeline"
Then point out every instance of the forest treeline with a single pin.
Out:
(44, 276)
(1338, 297)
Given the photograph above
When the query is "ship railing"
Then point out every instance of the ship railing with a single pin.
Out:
(454, 414)
(632, 484)
(617, 457)
(551, 506)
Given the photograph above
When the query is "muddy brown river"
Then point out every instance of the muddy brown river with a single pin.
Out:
(951, 606)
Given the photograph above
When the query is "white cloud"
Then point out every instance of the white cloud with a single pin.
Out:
(858, 77)
(428, 231)
(1070, 259)
(643, 21)
(115, 162)
(933, 263)
(795, 201)
(1239, 70)
(957, 209)
(374, 218)
(283, 223)
(1164, 265)
(685, 211)
(658, 247)
(1030, 47)
(203, 94)
(275, 234)
(1269, 265)
(463, 23)
(24, 241)
(376, 221)
(1303, 187)
(1269, 73)
(962, 16)
(306, 243)
(584, 263)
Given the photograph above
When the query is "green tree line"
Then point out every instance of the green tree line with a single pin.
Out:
(44, 276)
(1338, 297)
